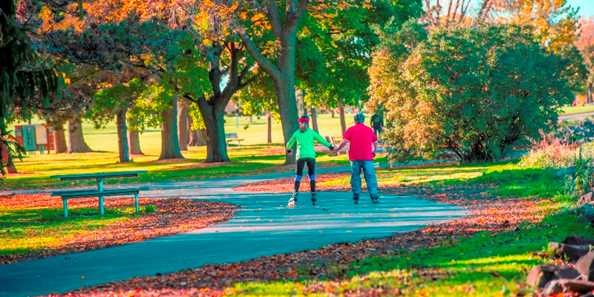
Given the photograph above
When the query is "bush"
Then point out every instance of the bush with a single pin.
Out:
(550, 152)
(150, 209)
(580, 181)
(471, 91)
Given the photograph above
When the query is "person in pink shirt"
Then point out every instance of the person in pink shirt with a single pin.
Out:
(362, 147)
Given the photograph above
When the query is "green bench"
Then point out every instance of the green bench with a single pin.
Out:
(84, 193)
(100, 192)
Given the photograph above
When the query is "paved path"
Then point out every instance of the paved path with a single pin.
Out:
(263, 226)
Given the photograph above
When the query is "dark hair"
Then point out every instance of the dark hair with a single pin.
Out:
(359, 117)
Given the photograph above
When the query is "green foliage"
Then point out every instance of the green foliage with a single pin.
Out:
(25, 79)
(14, 150)
(150, 208)
(471, 91)
(335, 52)
(580, 181)
(111, 100)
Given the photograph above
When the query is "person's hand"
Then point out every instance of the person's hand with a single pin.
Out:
(289, 152)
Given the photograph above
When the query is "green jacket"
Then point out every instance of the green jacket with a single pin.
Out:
(305, 143)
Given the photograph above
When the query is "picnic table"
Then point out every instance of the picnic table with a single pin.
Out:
(101, 192)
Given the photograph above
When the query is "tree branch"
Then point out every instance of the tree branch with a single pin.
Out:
(273, 14)
(264, 62)
(295, 11)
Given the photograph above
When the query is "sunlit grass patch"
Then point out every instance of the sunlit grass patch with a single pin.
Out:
(28, 230)
(502, 179)
(35, 170)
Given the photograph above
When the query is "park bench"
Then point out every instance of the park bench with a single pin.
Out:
(232, 137)
(100, 192)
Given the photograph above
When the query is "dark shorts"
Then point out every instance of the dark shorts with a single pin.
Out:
(311, 168)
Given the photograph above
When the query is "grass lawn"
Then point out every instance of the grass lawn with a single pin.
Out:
(500, 179)
(28, 230)
(35, 170)
(483, 264)
(566, 110)
(249, 158)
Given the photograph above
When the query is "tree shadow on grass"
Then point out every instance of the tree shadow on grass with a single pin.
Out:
(487, 256)
(508, 183)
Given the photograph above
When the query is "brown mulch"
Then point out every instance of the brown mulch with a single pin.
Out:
(333, 261)
(171, 216)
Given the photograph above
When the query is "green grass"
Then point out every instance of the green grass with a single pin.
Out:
(484, 264)
(32, 229)
(566, 110)
(505, 179)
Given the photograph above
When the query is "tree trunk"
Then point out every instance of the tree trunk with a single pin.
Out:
(314, 119)
(288, 112)
(198, 137)
(589, 94)
(269, 126)
(284, 73)
(10, 167)
(342, 118)
(184, 123)
(216, 150)
(76, 138)
(134, 141)
(169, 134)
(60, 145)
(123, 147)
(6, 158)
(332, 113)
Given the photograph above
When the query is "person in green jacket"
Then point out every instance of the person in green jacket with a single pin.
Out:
(304, 138)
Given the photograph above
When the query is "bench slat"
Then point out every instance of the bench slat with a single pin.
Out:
(93, 192)
(99, 175)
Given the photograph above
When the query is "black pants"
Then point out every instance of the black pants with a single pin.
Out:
(311, 171)
(311, 168)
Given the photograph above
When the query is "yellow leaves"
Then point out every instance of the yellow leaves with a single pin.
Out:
(104, 85)
(46, 16)
(214, 20)
(69, 20)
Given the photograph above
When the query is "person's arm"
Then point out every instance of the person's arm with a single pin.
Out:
(291, 143)
(342, 144)
(374, 144)
(323, 141)
(346, 138)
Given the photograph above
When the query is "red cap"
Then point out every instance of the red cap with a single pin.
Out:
(303, 120)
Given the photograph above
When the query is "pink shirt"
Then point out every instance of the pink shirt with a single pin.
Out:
(361, 140)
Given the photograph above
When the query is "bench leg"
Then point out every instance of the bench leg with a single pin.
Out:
(136, 203)
(65, 203)
(101, 205)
